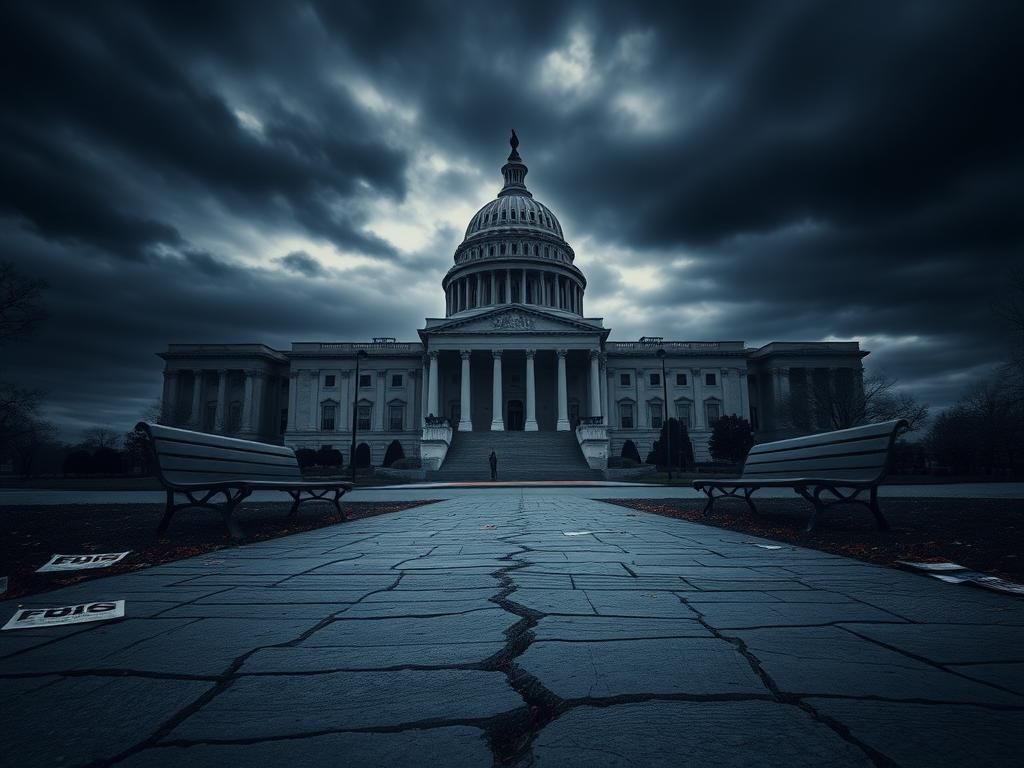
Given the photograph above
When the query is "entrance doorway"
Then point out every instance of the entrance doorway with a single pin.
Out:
(514, 422)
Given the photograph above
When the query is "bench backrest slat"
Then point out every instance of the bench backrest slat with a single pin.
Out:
(184, 457)
(858, 453)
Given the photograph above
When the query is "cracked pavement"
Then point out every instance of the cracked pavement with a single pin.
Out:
(474, 631)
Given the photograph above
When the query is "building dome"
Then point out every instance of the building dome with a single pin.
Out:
(514, 236)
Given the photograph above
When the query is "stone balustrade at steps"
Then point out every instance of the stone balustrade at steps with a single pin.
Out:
(521, 456)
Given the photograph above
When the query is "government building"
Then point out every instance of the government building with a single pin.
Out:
(514, 353)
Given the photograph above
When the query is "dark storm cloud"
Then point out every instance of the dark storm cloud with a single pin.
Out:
(800, 170)
(302, 263)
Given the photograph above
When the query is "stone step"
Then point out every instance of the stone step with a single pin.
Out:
(521, 456)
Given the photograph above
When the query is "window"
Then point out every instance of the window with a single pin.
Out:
(547, 252)
(365, 380)
(502, 249)
(363, 420)
(685, 414)
(531, 216)
(234, 416)
(656, 415)
(680, 379)
(328, 381)
(536, 250)
(710, 379)
(492, 250)
(210, 416)
(625, 379)
(327, 415)
(513, 213)
(396, 380)
(396, 418)
(655, 379)
(626, 415)
(515, 249)
(713, 409)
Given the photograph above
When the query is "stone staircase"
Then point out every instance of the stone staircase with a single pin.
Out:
(521, 456)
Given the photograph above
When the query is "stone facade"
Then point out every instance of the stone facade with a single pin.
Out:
(514, 351)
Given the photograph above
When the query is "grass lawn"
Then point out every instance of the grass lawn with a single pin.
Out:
(31, 535)
(982, 534)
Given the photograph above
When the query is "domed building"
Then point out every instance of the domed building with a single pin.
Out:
(514, 366)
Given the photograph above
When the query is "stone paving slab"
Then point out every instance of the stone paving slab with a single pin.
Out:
(433, 746)
(290, 705)
(429, 637)
(672, 733)
(591, 670)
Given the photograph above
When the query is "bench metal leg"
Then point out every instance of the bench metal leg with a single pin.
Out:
(747, 493)
(318, 495)
(169, 510)
(817, 504)
(711, 500)
(226, 508)
(880, 521)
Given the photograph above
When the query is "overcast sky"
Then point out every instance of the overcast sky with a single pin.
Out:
(279, 172)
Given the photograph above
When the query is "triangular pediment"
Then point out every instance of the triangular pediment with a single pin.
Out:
(516, 320)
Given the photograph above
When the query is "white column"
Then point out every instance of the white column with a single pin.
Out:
(744, 396)
(345, 395)
(531, 394)
(424, 382)
(465, 415)
(479, 289)
(379, 405)
(609, 393)
(563, 396)
(222, 397)
(595, 383)
(314, 400)
(522, 288)
(492, 298)
(497, 409)
(170, 408)
(247, 419)
(699, 416)
(196, 417)
(293, 399)
(508, 286)
(432, 404)
(257, 423)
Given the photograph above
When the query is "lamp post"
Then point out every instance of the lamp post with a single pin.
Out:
(664, 416)
(360, 355)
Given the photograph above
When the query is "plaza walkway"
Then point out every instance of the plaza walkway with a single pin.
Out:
(540, 628)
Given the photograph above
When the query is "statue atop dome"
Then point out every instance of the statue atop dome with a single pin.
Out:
(514, 155)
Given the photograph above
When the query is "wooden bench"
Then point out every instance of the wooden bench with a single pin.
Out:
(844, 463)
(202, 467)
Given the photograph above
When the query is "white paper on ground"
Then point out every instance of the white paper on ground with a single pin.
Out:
(24, 618)
(999, 585)
(933, 566)
(82, 562)
(768, 546)
(586, 533)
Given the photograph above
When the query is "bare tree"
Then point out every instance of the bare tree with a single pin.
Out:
(21, 306)
(96, 438)
(848, 404)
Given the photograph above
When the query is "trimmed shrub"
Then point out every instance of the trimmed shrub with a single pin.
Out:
(393, 453)
(329, 457)
(630, 452)
(306, 457)
(410, 463)
(731, 439)
(682, 448)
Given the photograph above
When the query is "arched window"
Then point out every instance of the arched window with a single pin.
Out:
(547, 252)
(515, 248)
(502, 249)
(531, 216)
(536, 250)
(492, 250)
(513, 213)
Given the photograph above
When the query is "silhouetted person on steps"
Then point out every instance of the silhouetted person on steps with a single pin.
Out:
(493, 461)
